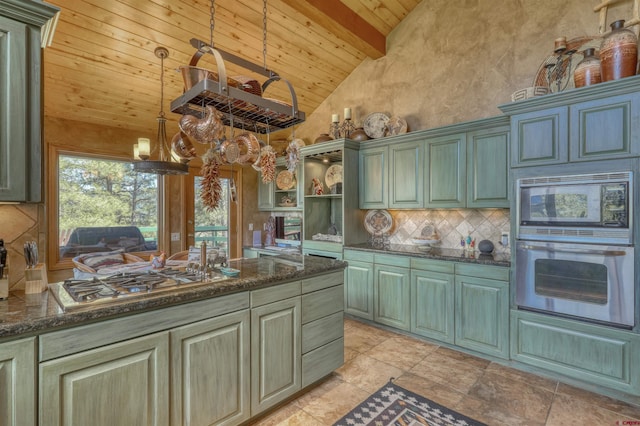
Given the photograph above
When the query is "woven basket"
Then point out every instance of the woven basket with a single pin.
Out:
(128, 258)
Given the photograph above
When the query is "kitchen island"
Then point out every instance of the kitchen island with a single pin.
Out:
(218, 353)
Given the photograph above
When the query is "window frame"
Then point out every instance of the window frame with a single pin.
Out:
(53, 250)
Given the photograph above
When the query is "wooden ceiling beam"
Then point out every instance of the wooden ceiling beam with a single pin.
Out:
(347, 25)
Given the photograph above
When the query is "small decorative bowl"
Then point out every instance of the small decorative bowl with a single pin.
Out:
(529, 92)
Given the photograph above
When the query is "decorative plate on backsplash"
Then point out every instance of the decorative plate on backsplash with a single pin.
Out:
(378, 221)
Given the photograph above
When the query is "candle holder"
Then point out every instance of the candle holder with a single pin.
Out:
(558, 68)
(347, 127)
(334, 130)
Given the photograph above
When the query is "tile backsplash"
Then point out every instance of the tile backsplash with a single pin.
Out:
(452, 225)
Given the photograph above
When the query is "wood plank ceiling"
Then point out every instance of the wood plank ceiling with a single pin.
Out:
(101, 66)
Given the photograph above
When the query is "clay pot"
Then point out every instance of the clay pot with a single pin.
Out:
(618, 53)
(358, 135)
(324, 137)
(587, 71)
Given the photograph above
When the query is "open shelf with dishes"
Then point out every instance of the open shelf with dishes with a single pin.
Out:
(331, 217)
(284, 193)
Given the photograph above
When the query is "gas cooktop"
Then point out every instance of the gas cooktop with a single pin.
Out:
(72, 294)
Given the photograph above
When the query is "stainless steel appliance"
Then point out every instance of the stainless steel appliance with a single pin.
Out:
(73, 294)
(574, 247)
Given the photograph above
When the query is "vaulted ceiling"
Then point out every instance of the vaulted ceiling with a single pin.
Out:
(101, 67)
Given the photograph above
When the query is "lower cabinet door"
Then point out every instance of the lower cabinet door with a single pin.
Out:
(358, 289)
(124, 383)
(18, 382)
(432, 305)
(482, 315)
(210, 375)
(275, 349)
(391, 296)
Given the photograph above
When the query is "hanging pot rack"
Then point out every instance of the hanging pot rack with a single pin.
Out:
(240, 109)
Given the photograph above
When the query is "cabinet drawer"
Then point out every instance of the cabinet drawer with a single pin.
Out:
(483, 271)
(273, 294)
(66, 342)
(322, 281)
(392, 260)
(322, 331)
(599, 355)
(322, 361)
(361, 256)
(322, 303)
(433, 265)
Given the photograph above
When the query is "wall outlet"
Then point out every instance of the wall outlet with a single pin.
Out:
(175, 236)
(504, 239)
(251, 227)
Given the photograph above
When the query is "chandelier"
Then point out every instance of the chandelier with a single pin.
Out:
(164, 164)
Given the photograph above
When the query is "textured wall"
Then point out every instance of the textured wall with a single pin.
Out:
(453, 61)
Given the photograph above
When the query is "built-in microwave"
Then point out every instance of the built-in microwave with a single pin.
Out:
(586, 208)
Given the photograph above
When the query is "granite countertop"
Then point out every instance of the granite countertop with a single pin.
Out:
(29, 314)
(454, 255)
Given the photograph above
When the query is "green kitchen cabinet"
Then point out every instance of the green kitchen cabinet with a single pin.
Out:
(540, 137)
(358, 284)
(603, 356)
(605, 128)
(322, 326)
(133, 376)
(482, 309)
(488, 168)
(21, 161)
(598, 122)
(18, 382)
(373, 180)
(445, 163)
(391, 291)
(275, 345)
(204, 391)
(406, 175)
(432, 299)
(266, 194)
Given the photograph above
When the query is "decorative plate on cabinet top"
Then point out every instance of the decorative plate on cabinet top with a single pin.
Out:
(285, 180)
(375, 125)
(333, 175)
(378, 221)
(396, 126)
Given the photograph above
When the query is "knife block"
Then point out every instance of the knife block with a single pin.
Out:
(35, 279)
(4, 288)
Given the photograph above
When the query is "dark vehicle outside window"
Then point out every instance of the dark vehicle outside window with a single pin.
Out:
(105, 238)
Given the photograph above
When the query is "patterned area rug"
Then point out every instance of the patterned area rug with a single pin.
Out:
(393, 405)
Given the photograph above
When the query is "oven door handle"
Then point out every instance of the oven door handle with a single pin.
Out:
(575, 251)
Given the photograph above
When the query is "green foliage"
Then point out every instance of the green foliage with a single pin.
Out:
(97, 192)
(217, 217)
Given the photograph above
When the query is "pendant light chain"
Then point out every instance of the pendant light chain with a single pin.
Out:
(264, 34)
(162, 130)
(212, 21)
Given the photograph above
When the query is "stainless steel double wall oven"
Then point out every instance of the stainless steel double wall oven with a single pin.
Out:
(574, 246)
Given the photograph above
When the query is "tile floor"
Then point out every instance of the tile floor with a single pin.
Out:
(481, 389)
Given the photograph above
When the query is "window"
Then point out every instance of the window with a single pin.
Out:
(103, 205)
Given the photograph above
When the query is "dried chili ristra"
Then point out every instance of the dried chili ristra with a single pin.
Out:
(268, 164)
(210, 186)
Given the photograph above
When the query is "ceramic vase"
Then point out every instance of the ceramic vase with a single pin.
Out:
(587, 71)
(618, 53)
(358, 135)
(323, 138)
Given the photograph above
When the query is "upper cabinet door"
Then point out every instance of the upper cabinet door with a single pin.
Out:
(445, 164)
(488, 168)
(14, 117)
(540, 137)
(605, 128)
(406, 175)
(373, 178)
